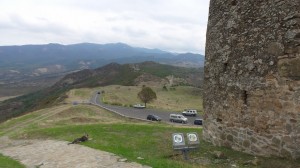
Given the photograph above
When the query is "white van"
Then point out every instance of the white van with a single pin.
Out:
(190, 113)
(178, 118)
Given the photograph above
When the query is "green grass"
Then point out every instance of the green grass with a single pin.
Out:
(153, 143)
(6, 162)
(127, 140)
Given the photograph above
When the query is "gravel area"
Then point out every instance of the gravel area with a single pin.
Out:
(58, 154)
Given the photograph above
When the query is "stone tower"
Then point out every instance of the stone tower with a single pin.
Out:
(252, 76)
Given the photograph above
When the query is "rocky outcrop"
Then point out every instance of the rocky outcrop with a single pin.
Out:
(252, 76)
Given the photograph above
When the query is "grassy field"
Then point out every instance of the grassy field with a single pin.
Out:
(127, 137)
(176, 99)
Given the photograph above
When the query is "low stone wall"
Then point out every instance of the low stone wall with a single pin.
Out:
(252, 76)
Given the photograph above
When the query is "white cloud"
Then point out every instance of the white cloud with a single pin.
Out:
(173, 25)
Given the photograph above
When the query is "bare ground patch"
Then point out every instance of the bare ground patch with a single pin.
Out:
(52, 153)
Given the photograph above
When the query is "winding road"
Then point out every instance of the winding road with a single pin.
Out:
(137, 113)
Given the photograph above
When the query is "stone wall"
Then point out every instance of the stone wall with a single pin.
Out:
(252, 76)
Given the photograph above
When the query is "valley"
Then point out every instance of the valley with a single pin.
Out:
(150, 73)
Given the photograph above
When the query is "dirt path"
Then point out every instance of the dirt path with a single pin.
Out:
(58, 154)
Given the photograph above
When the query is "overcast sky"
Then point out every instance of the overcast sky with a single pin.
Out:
(171, 25)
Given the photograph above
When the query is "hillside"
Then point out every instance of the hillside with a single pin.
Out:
(130, 74)
(32, 67)
(127, 74)
(124, 137)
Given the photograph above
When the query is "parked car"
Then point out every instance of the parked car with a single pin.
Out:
(198, 121)
(153, 117)
(178, 118)
(139, 106)
(190, 113)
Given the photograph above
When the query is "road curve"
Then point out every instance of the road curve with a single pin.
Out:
(136, 113)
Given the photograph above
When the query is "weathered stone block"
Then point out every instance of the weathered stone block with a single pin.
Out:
(289, 68)
(275, 48)
(223, 136)
(246, 143)
(289, 128)
(255, 150)
(253, 140)
(276, 142)
(229, 138)
(286, 153)
(287, 140)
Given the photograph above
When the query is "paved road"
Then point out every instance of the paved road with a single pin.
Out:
(137, 113)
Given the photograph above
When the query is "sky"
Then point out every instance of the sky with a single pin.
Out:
(170, 25)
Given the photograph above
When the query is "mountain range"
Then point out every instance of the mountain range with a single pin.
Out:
(33, 67)
(43, 59)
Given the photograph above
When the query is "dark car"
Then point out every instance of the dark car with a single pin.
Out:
(198, 122)
(153, 117)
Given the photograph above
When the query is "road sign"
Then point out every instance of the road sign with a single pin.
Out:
(178, 140)
(193, 138)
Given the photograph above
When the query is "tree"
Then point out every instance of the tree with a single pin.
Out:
(146, 95)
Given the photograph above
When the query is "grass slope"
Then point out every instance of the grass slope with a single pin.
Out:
(127, 138)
